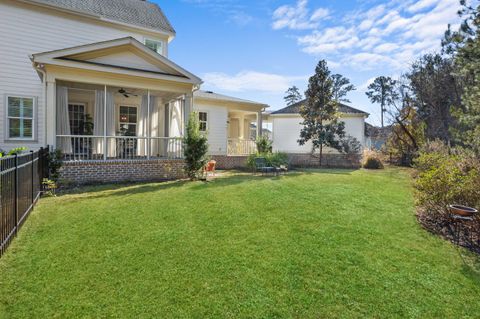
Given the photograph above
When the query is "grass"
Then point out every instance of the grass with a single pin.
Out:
(323, 243)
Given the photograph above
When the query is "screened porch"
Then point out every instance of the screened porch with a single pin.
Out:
(99, 122)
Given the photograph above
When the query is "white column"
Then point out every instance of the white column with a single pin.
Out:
(259, 124)
(105, 123)
(187, 109)
(241, 124)
(51, 113)
(149, 125)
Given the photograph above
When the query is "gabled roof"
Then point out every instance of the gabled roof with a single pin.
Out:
(209, 95)
(295, 109)
(134, 12)
(96, 55)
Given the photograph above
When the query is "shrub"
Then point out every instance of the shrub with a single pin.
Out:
(443, 179)
(372, 160)
(264, 145)
(54, 164)
(272, 159)
(196, 147)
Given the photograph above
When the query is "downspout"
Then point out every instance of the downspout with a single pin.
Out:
(40, 69)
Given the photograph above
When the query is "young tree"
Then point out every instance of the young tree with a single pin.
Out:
(382, 91)
(321, 124)
(195, 147)
(292, 96)
(341, 87)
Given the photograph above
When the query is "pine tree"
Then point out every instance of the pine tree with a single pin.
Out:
(382, 91)
(341, 87)
(292, 96)
(321, 123)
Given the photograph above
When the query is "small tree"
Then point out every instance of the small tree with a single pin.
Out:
(195, 146)
(264, 145)
(383, 91)
(321, 123)
(292, 96)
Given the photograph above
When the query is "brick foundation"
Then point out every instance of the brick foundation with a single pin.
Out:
(230, 162)
(90, 172)
(328, 160)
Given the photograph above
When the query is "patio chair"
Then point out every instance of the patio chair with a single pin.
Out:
(209, 168)
(261, 166)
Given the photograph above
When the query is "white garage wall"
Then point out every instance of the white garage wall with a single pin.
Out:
(286, 132)
(217, 117)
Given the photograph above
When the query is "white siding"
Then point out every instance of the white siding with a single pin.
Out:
(286, 132)
(26, 30)
(217, 126)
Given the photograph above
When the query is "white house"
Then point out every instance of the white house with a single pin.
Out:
(286, 124)
(94, 79)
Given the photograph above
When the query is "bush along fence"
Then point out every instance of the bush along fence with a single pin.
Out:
(21, 179)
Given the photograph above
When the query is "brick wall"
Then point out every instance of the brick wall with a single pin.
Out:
(328, 160)
(230, 162)
(121, 171)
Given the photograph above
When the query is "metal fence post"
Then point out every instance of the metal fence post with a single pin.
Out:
(16, 193)
(31, 163)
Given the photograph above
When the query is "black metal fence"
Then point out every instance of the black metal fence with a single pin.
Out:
(21, 179)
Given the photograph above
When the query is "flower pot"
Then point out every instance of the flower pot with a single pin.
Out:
(462, 210)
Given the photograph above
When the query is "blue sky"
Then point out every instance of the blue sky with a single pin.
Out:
(257, 49)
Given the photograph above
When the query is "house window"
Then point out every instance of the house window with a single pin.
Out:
(128, 120)
(203, 120)
(76, 114)
(20, 117)
(154, 45)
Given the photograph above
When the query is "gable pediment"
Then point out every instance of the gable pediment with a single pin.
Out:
(125, 54)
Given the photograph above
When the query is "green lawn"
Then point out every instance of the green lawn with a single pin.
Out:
(332, 243)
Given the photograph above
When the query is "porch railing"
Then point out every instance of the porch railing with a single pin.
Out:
(241, 146)
(88, 147)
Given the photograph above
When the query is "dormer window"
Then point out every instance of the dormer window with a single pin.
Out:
(154, 45)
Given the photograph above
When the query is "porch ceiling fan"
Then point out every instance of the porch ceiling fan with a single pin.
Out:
(126, 93)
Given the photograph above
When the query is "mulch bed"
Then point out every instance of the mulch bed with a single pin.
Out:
(438, 224)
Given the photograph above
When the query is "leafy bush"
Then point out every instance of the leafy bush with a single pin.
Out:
(264, 145)
(350, 145)
(443, 179)
(372, 160)
(272, 159)
(196, 148)
(54, 164)
(13, 151)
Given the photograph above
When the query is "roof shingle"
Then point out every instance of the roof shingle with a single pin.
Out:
(295, 109)
(136, 12)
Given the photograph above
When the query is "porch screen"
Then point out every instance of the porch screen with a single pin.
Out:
(143, 125)
(99, 123)
(63, 121)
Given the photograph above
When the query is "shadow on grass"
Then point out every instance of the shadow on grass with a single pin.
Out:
(226, 179)
(471, 266)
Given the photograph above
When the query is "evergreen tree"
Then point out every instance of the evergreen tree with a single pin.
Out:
(195, 147)
(341, 87)
(321, 123)
(383, 91)
(292, 96)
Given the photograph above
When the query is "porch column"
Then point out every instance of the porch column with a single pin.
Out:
(241, 120)
(50, 109)
(187, 109)
(259, 124)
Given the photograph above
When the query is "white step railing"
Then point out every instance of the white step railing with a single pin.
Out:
(238, 146)
(88, 147)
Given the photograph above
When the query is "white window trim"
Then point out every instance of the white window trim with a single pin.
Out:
(34, 118)
(206, 122)
(119, 124)
(164, 50)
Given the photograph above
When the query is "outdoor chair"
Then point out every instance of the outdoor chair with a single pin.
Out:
(209, 168)
(261, 166)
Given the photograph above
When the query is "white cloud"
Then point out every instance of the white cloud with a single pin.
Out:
(298, 17)
(251, 81)
(387, 35)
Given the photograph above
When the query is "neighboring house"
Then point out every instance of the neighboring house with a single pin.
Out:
(376, 137)
(93, 78)
(287, 126)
